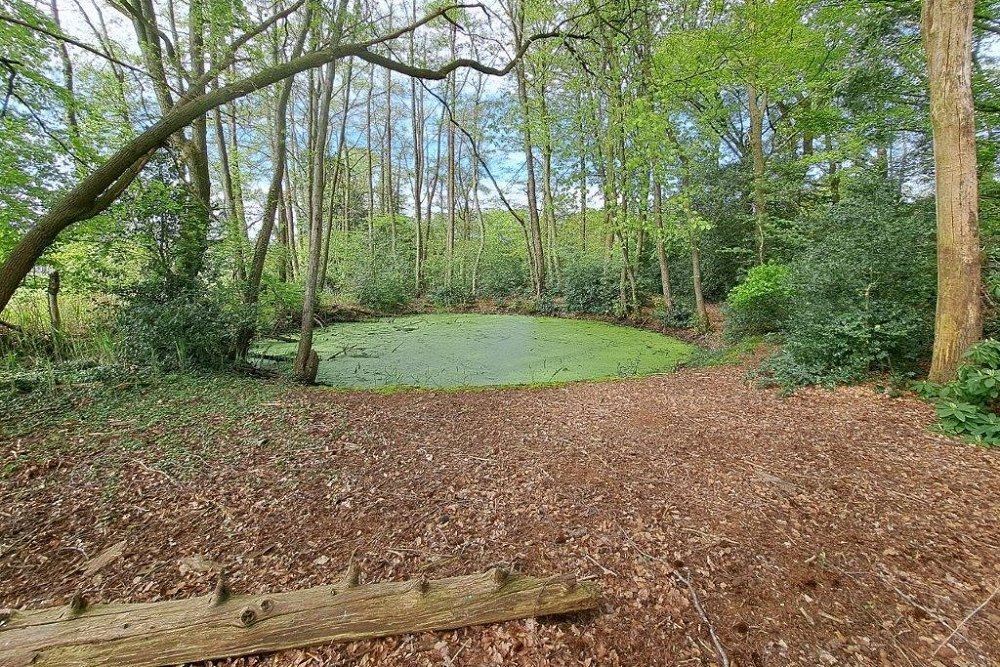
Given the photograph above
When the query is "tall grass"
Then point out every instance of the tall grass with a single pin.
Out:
(85, 331)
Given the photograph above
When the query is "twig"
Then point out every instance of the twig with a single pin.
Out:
(719, 648)
(967, 619)
(598, 564)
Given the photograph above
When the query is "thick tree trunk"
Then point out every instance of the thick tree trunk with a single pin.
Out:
(221, 625)
(947, 37)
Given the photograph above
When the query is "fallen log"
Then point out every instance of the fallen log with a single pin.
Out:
(223, 625)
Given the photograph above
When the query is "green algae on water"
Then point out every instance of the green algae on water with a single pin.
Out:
(447, 351)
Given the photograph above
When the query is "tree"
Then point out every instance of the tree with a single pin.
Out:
(95, 192)
(947, 37)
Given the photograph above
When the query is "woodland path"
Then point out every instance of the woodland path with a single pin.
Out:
(828, 527)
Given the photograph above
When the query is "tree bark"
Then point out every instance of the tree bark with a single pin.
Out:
(661, 251)
(700, 311)
(318, 178)
(222, 625)
(758, 107)
(534, 223)
(55, 319)
(274, 194)
(95, 192)
(947, 37)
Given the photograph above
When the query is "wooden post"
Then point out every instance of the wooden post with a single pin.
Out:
(53, 291)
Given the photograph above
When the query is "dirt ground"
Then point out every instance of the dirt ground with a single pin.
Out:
(824, 528)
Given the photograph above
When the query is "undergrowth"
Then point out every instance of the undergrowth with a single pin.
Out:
(967, 407)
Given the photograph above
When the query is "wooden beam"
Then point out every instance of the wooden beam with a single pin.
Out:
(223, 625)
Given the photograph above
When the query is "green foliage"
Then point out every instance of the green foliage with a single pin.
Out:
(454, 296)
(760, 304)
(194, 327)
(279, 305)
(384, 288)
(968, 406)
(589, 288)
(680, 316)
(863, 291)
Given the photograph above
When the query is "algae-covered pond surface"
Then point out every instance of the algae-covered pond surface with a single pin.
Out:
(474, 350)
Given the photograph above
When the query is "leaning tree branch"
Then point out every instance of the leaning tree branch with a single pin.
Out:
(240, 41)
(75, 204)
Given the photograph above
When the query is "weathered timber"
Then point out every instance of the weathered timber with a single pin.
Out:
(226, 625)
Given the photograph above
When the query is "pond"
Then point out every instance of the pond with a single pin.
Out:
(475, 350)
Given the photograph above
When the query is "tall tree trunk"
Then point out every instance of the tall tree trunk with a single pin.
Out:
(700, 311)
(67, 67)
(371, 162)
(274, 194)
(339, 173)
(661, 252)
(947, 37)
(549, 210)
(417, 125)
(229, 192)
(449, 236)
(758, 107)
(304, 357)
(534, 223)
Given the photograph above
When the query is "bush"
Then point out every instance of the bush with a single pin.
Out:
(384, 291)
(193, 327)
(455, 296)
(588, 288)
(680, 316)
(968, 405)
(280, 305)
(863, 289)
(760, 304)
(507, 279)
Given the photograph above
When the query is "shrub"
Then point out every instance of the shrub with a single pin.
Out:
(589, 288)
(760, 304)
(384, 290)
(280, 305)
(680, 316)
(193, 327)
(507, 279)
(968, 405)
(863, 291)
(455, 296)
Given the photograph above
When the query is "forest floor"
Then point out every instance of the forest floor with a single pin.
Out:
(821, 528)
